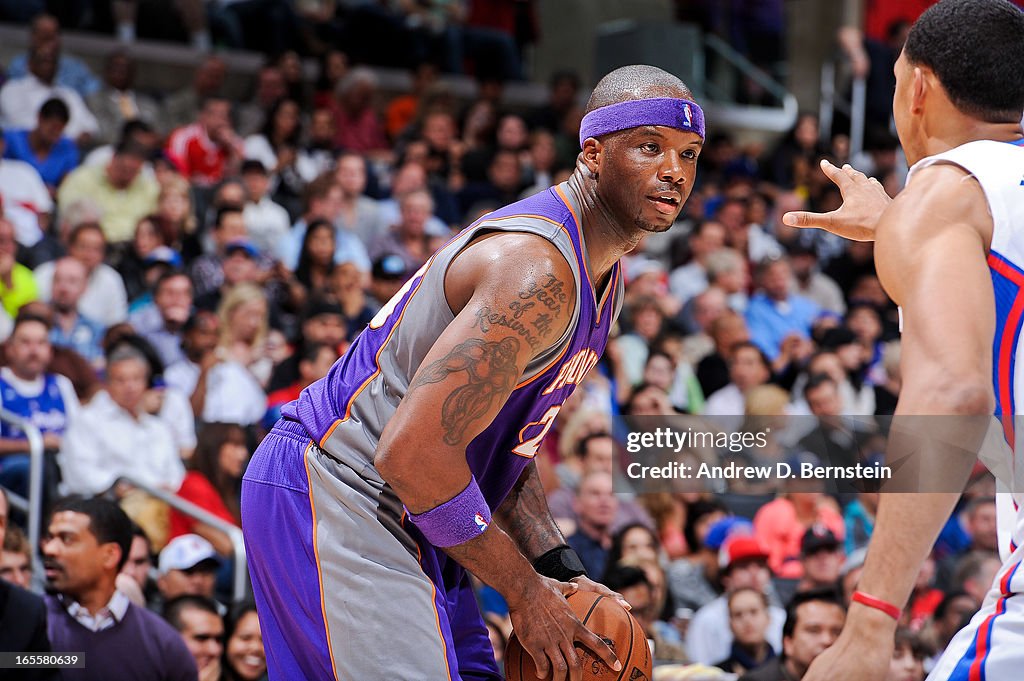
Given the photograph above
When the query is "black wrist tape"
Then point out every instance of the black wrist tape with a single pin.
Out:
(561, 563)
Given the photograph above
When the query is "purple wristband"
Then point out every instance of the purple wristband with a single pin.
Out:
(457, 520)
(668, 111)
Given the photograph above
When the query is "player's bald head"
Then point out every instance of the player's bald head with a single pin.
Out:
(637, 81)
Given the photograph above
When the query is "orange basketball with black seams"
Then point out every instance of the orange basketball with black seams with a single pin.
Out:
(612, 623)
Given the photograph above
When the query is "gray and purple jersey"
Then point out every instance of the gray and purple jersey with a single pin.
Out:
(347, 410)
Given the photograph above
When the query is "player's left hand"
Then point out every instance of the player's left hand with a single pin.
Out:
(587, 584)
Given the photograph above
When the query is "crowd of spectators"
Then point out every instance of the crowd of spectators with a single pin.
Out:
(176, 266)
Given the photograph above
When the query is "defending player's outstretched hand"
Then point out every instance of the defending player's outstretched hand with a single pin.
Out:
(864, 199)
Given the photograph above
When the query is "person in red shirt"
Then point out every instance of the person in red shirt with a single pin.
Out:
(213, 482)
(314, 363)
(207, 151)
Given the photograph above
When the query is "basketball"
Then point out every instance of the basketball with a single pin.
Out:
(610, 621)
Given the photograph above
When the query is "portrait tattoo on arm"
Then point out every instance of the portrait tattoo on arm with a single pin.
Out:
(492, 373)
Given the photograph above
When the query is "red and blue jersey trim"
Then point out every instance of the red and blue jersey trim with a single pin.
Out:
(971, 667)
(1008, 286)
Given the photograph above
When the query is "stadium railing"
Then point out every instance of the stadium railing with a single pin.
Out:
(831, 102)
(33, 505)
(240, 580)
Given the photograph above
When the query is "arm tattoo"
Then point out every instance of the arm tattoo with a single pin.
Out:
(550, 293)
(534, 298)
(492, 371)
(524, 515)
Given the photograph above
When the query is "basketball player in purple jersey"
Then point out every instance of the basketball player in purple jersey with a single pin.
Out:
(411, 463)
(950, 251)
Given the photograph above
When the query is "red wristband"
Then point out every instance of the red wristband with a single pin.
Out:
(877, 603)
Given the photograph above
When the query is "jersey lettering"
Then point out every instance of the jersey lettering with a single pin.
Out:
(528, 448)
(573, 371)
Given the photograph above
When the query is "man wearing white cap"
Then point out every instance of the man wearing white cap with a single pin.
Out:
(188, 566)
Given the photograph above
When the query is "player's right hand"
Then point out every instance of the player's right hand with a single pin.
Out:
(548, 630)
(864, 199)
(854, 655)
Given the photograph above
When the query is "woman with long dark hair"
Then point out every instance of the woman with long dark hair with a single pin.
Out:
(278, 146)
(244, 656)
(213, 482)
(316, 259)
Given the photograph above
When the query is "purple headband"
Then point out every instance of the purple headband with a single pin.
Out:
(669, 111)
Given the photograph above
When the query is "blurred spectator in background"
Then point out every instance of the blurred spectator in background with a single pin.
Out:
(595, 508)
(72, 72)
(951, 615)
(596, 452)
(728, 271)
(244, 324)
(140, 562)
(71, 328)
(859, 518)
(813, 622)
(908, 657)
(357, 123)
(105, 300)
(324, 199)
(212, 482)
(266, 222)
(270, 88)
(17, 285)
(27, 204)
(748, 623)
(124, 194)
(118, 102)
(790, 163)
(86, 545)
(182, 107)
(359, 214)
(145, 261)
(748, 368)
(45, 400)
(776, 312)
(727, 331)
(319, 143)
(744, 564)
(22, 613)
(975, 573)
(810, 283)
(693, 579)
(44, 147)
(202, 629)
(821, 554)
(21, 98)
(188, 567)
(316, 260)
(244, 656)
(208, 269)
(411, 176)
(780, 524)
(278, 147)
(207, 150)
(563, 91)
(323, 322)
(161, 323)
(408, 238)
(315, 360)
(15, 555)
(686, 281)
(131, 442)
